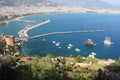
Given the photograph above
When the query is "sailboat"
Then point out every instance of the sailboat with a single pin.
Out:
(107, 41)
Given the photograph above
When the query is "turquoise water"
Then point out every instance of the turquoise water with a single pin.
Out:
(70, 22)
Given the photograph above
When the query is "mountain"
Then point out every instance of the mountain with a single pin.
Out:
(25, 2)
(85, 3)
(82, 3)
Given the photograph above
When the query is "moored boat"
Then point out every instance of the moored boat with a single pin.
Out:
(107, 41)
(89, 42)
(77, 50)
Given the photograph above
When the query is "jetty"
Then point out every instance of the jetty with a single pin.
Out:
(67, 32)
(23, 34)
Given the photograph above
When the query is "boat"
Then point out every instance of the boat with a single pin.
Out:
(43, 39)
(58, 44)
(89, 42)
(70, 45)
(59, 47)
(107, 41)
(77, 50)
(93, 53)
(53, 42)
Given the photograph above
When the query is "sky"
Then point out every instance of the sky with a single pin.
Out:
(113, 2)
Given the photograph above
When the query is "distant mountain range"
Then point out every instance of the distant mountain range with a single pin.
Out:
(26, 2)
(82, 3)
(86, 3)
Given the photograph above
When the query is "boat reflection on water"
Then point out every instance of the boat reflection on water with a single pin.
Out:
(89, 42)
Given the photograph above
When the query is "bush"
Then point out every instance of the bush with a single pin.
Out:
(50, 55)
(79, 58)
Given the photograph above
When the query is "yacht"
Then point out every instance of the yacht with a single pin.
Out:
(58, 44)
(43, 39)
(89, 42)
(70, 45)
(53, 42)
(107, 41)
(77, 50)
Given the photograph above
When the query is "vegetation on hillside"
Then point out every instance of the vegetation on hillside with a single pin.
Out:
(58, 68)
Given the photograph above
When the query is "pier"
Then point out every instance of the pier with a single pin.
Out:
(23, 34)
(67, 32)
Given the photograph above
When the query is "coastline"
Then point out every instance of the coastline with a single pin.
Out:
(54, 10)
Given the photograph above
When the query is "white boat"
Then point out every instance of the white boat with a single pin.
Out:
(59, 47)
(93, 53)
(107, 41)
(43, 39)
(58, 44)
(77, 50)
(53, 42)
(70, 45)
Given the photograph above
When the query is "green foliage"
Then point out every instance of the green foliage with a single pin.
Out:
(71, 55)
(2, 18)
(38, 69)
(83, 74)
(92, 60)
(50, 56)
(118, 62)
(12, 59)
(13, 49)
(68, 67)
(45, 69)
(79, 58)
(2, 44)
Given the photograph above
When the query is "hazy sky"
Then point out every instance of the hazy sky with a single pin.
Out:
(113, 2)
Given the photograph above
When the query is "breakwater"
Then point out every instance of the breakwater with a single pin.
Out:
(23, 34)
(67, 32)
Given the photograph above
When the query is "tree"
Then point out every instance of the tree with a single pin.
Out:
(12, 49)
(38, 69)
(50, 55)
(79, 58)
(118, 62)
(2, 44)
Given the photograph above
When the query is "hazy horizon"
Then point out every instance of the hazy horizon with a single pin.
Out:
(111, 2)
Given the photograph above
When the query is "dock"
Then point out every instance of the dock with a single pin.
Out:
(23, 34)
(67, 32)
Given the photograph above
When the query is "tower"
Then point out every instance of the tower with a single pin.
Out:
(9, 40)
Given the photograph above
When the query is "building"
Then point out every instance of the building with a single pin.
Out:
(9, 40)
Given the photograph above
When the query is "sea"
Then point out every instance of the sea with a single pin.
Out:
(69, 22)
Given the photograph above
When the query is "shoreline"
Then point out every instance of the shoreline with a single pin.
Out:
(87, 11)
(27, 15)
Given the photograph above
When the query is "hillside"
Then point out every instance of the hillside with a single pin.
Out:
(22, 67)
(26, 2)
(82, 3)
(85, 3)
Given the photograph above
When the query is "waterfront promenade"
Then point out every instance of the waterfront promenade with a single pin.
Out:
(67, 32)
(23, 34)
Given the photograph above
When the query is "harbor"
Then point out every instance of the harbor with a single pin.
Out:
(45, 44)
(23, 34)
